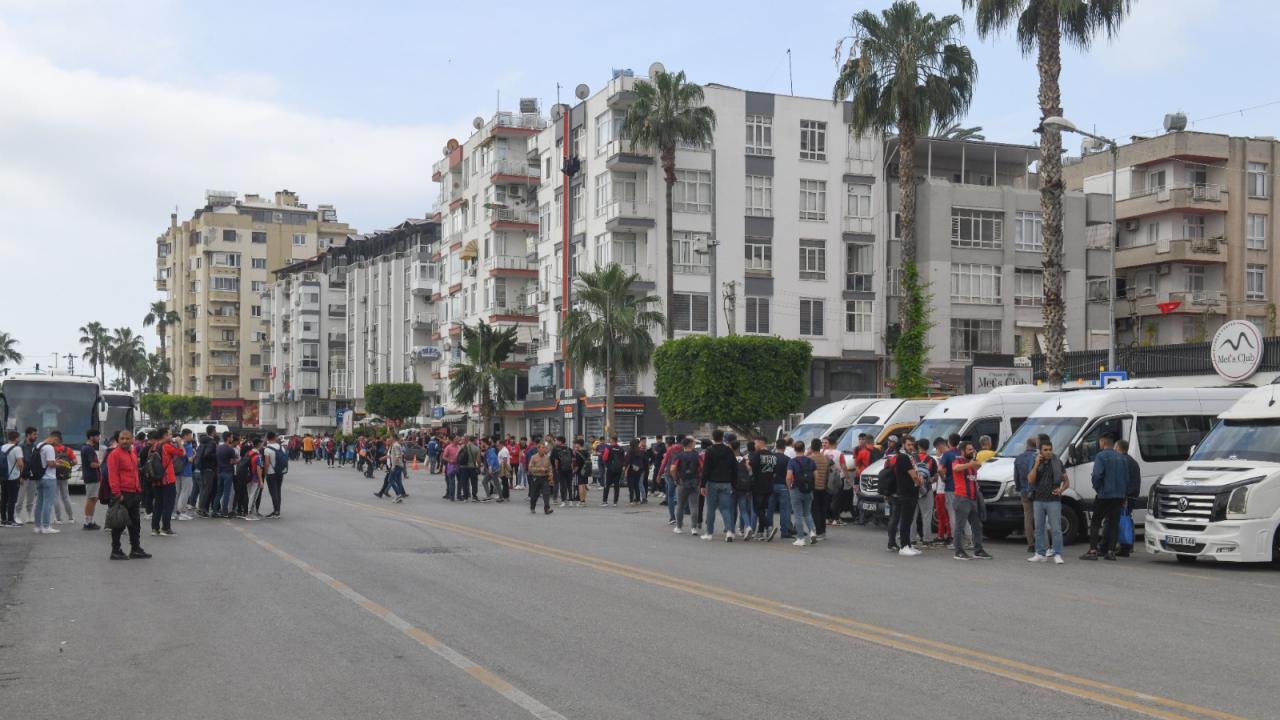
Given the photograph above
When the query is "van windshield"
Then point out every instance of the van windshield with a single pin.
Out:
(849, 440)
(1257, 440)
(1062, 430)
(934, 428)
(809, 431)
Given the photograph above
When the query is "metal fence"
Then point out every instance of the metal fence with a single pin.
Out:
(1155, 361)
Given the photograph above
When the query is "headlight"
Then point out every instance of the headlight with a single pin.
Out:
(1010, 490)
(1238, 501)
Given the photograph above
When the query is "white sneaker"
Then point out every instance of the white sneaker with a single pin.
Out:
(1037, 558)
(39, 530)
(677, 531)
(799, 542)
(562, 503)
(707, 536)
(51, 531)
(728, 536)
(1057, 560)
(909, 551)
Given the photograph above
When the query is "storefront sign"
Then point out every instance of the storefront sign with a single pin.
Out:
(986, 379)
(1236, 350)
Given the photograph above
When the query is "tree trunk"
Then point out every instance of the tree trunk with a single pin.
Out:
(609, 403)
(907, 188)
(669, 176)
(1049, 64)
(164, 382)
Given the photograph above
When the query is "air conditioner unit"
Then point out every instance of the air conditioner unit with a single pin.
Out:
(1131, 225)
(1146, 292)
(1163, 268)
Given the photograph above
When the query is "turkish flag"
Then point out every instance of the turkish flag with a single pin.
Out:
(1168, 307)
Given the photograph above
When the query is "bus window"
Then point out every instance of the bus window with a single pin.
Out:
(984, 426)
(1117, 426)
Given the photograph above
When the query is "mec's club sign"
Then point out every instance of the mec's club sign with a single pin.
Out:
(1236, 350)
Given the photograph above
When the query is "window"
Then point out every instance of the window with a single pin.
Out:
(1170, 438)
(1153, 233)
(813, 140)
(857, 200)
(857, 316)
(258, 285)
(1155, 181)
(811, 315)
(692, 191)
(1256, 181)
(218, 282)
(977, 228)
(972, 283)
(255, 310)
(859, 267)
(259, 238)
(624, 249)
(1255, 282)
(257, 385)
(602, 250)
(759, 254)
(299, 239)
(759, 196)
(893, 282)
(226, 259)
(897, 225)
(689, 312)
(687, 260)
(1028, 287)
(544, 222)
(1195, 279)
(813, 199)
(759, 135)
(604, 130)
(258, 263)
(1028, 231)
(228, 236)
(602, 192)
(576, 210)
(813, 259)
(1257, 232)
(757, 315)
(1260, 322)
(974, 336)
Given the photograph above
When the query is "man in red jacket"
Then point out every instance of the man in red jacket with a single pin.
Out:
(126, 490)
(164, 491)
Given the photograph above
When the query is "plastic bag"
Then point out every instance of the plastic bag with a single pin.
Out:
(1126, 527)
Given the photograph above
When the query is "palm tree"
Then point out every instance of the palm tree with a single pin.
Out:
(9, 350)
(155, 373)
(609, 329)
(162, 317)
(956, 132)
(97, 344)
(128, 355)
(480, 379)
(668, 111)
(904, 71)
(1041, 25)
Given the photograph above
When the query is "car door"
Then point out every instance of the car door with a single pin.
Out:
(1085, 449)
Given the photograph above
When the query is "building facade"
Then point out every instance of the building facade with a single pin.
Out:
(214, 268)
(1194, 245)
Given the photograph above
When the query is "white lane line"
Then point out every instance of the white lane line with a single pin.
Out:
(422, 637)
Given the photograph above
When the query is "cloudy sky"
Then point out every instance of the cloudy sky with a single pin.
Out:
(113, 114)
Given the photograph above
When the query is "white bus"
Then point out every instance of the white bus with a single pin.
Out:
(70, 403)
(121, 413)
(830, 419)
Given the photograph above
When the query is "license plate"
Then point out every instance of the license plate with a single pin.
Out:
(1179, 540)
(869, 506)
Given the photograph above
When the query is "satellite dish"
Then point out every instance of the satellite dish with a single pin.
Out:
(477, 122)
(656, 68)
(451, 145)
(582, 91)
(557, 112)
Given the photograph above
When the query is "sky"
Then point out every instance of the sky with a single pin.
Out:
(114, 114)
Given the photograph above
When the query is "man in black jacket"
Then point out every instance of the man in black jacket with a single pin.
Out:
(206, 473)
(719, 466)
(1133, 492)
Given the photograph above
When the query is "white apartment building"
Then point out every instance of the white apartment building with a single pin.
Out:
(305, 308)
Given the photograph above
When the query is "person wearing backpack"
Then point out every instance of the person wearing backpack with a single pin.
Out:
(800, 479)
(277, 466)
(562, 469)
(823, 469)
(719, 468)
(47, 484)
(31, 472)
(184, 467)
(613, 459)
(207, 467)
(686, 467)
(742, 498)
(636, 467)
(164, 483)
(907, 483)
(226, 457)
(11, 468)
(468, 470)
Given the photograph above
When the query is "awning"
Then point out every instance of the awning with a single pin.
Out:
(470, 251)
(455, 417)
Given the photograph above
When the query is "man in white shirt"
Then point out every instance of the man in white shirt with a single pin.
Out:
(504, 471)
(273, 456)
(47, 485)
(9, 484)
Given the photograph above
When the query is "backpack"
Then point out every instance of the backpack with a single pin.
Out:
(31, 461)
(688, 470)
(64, 472)
(564, 459)
(280, 461)
(615, 460)
(742, 480)
(153, 468)
(886, 483)
(804, 474)
(4, 462)
(242, 467)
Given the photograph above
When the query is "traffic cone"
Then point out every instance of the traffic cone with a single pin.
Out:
(415, 464)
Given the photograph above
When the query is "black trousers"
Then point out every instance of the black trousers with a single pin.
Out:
(760, 501)
(162, 498)
(906, 515)
(208, 486)
(506, 487)
(611, 480)
(539, 487)
(635, 487)
(274, 481)
(131, 502)
(8, 499)
(820, 502)
(1108, 510)
(240, 500)
(564, 486)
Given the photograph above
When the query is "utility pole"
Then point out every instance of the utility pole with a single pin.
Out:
(71, 363)
(731, 305)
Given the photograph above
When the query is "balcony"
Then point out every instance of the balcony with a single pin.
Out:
(514, 218)
(508, 170)
(337, 311)
(858, 282)
(1194, 302)
(337, 338)
(423, 321)
(858, 225)
(224, 295)
(1206, 250)
(619, 156)
(510, 265)
(519, 124)
(1194, 198)
(226, 345)
(628, 215)
(859, 166)
(516, 311)
(224, 320)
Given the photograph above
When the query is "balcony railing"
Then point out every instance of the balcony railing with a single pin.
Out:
(525, 216)
(628, 209)
(523, 121)
(508, 262)
(521, 309)
(519, 168)
(857, 225)
(691, 268)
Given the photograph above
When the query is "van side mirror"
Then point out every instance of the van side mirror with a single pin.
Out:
(1074, 455)
(1193, 452)
(102, 410)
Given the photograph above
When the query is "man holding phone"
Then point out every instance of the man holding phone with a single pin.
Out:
(1047, 482)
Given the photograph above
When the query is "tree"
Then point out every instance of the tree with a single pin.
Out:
(1041, 25)
(128, 356)
(737, 381)
(956, 132)
(394, 401)
(97, 344)
(480, 379)
(174, 409)
(156, 373)
(9, 350)
(666, 112)
(162, 317)
(609, 328)
(903, 72)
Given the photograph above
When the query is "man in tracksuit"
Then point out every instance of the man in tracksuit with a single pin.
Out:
(207, 464)
(1110, 483)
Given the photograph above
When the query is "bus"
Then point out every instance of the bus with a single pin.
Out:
(121, 412)
(70, 403)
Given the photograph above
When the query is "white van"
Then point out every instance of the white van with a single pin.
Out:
(197, 429)
(997, 413)
(1224, 503)
(1161, 425)
(830, 418)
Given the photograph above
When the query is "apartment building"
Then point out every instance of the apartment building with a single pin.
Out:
(981, 248)
(213, 269)
(783, 205)
(305, 313)
(392, 334)
(1194, 244)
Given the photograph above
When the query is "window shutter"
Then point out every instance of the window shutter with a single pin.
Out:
(762, 315)
(700, 313)
(680, 311)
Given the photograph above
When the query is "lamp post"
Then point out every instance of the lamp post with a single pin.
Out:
(713, 301)
(1062, 124)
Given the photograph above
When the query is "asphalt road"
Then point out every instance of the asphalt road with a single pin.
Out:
(354, 607)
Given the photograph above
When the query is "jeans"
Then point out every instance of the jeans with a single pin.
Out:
(906, 516)
(746, 511)
(924, 512)
(966, 513)
(683, 500)
(222, 496)
(780, 502)
(719, 497)
(393, 482)
(468, 482)
(1047, 512)
(27, 498)
(131, 502)
(1107, 509)
(671, 499)
(895, 518)
(760, 508)
(184, 482)
(451, 485)
(164, 499)
(820, 503)
(62, 500)
(45, 490)
(635, 487)
(612, 480)
(1029, 518)
(802, 513)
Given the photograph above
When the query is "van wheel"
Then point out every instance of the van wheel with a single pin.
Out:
(1186, 559)
(1072, 524)
(1275, 547)
(996, 533)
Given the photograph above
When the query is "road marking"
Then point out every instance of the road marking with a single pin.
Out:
(490, 679)
(1042, 677)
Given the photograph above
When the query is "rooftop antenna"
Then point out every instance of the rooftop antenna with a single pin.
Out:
(790, 79)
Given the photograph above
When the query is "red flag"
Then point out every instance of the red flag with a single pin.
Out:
(1168, 307)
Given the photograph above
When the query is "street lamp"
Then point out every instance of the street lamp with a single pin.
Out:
(710, 249)
(1061, 124)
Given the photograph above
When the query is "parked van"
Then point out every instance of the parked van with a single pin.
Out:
(830, 419)
(1161, 425)
(1224, 503)
(881, 419)
(997, 413)
(197, 428)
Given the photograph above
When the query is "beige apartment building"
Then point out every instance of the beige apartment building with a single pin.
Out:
(1194, 241)
(214, 268)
